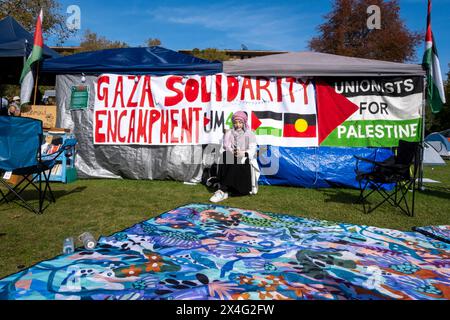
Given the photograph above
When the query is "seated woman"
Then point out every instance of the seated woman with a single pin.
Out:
(238, 170)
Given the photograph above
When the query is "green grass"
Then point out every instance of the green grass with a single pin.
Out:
(107, 206)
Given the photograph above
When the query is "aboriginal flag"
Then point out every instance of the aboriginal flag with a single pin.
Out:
(299, 125)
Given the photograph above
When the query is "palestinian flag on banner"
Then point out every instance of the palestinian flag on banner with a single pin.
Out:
(299, 125)
(332, 109)
(27, 77)
(267, 123)
(435, 87)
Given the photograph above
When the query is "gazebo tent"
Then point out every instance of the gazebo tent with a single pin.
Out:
(16, 43)
(124, 161)
(320, 166)
(315, 64)
(153, 60)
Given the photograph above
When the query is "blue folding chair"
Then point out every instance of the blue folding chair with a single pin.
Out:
(20, 154)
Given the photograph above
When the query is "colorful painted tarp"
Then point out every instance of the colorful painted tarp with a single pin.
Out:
(202, 251)
(441, 233)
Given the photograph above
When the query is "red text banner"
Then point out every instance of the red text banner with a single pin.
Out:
(174, 110)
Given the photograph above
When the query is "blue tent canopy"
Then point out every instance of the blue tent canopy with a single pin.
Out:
(152, 60)
(15, 41)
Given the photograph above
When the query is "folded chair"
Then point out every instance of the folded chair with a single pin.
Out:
(20, 154)
(394, 179)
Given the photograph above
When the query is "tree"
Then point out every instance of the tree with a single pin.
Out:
(210, 54)
(444, 115)
(153, 42)
(435, 122)
(92, 42)
(26, 12)
(346, 32)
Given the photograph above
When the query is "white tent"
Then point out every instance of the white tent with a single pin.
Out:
(439, 143)
(431, 157)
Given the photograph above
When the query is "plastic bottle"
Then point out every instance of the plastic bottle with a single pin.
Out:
(88, 241)
(68, 246)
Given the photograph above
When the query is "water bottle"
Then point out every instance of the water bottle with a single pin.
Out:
(68, 246)
(88, 241)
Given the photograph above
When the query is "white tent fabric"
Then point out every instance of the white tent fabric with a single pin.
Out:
(305, 64)
(431, 157)
(439, 143)
(440, 148)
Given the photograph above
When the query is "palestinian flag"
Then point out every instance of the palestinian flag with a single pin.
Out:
(333, 109)
(299, 125)
(435, 87)
(267, 123)
(27, 77)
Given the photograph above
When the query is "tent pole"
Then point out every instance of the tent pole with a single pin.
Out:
(25, 52)
(422, 142)
(36, 83)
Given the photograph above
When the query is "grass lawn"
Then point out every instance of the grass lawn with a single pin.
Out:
(107, 206)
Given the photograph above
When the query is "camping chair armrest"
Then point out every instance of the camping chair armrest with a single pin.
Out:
(67, 145)
(383, 164)
(366, 160)
(372, 162)
(376, 164)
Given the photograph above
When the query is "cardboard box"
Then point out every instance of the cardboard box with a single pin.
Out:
(47, 114)
(15, 179)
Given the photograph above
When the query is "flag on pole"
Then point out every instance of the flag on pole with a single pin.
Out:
(435, 86)
(27, 77)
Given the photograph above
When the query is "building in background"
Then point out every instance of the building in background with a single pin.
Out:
(241, 54)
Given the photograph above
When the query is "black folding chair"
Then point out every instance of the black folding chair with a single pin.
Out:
(394, 179)
(20, 154)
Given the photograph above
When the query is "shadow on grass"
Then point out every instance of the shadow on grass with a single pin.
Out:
(32, 196)
(340, 196)
(63, 193)
(348, 198)
(438, 192)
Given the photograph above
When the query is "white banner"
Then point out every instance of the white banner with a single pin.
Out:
(187, 110)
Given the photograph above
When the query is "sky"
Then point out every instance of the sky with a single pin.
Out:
(259, 25)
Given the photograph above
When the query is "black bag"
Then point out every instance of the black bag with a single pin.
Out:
(209, 176)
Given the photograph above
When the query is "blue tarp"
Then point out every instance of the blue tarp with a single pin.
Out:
(12, 40)
(317, 167)
(152, 60)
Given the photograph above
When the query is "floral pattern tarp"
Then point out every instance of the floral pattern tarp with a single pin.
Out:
(441, 233)
(203, 251)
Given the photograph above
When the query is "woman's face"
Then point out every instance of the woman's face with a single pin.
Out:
(238, 124)
(12, 110)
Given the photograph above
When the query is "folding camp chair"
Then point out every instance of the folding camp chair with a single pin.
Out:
(20, 154)
(394, 179)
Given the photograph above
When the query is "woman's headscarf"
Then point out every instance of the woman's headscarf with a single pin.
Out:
(240, 140)
(242, 116)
